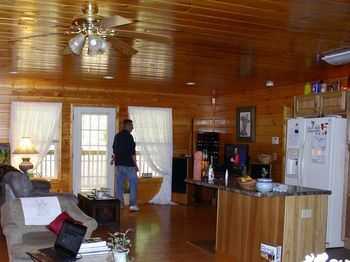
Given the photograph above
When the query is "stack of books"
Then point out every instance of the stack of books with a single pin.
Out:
(93, 246)
(270, 253)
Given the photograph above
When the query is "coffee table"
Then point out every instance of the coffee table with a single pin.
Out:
(35, 255)
(105, 210)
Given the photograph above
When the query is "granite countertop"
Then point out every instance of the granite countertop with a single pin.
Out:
(233, 186)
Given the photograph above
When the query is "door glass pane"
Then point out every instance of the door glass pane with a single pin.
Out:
(94, 122)
(103, 122)
(85, 140)
(85, 121)
(94, 159)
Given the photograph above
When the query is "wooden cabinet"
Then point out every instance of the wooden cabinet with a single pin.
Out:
(320, 104)
(244, 222)
(306, 105)
(334, 102)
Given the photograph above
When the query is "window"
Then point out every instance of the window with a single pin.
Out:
(154, 135)
(41, 122)
(49, 166)
(144, 168)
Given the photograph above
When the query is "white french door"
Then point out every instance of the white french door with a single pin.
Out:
(93, 134)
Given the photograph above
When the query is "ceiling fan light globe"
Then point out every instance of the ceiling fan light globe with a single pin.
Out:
(94, 42)
(105, 46)
(77, 43)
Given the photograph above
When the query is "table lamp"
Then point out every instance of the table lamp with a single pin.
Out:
(25, 148)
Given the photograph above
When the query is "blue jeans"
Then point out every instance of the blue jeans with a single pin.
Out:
(128, 172)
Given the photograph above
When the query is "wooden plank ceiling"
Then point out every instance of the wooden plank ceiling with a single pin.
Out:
(221, 45)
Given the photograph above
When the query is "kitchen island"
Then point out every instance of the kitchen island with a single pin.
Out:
(295, 220)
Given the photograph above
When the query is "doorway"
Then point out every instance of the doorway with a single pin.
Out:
(93, 134)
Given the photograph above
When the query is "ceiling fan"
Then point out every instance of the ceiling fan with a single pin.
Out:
(101, 33)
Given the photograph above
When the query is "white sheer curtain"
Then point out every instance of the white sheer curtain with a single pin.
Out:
(154, 135)
(38, 121)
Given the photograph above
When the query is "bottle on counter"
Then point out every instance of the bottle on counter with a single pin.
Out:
(204, 166)
(323, 86)
(316, 87)
(336, 85)
(211, 170)
(307, 88)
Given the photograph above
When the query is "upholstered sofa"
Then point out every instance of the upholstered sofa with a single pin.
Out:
(21, 238)
(15, 184)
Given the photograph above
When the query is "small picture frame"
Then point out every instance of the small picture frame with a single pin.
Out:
(146, 175)
(245, 123)
(5, 154)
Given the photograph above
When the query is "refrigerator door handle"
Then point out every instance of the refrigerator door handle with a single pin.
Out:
(301, 164)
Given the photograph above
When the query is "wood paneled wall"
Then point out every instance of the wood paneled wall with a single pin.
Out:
(269, 103)
(185, 108)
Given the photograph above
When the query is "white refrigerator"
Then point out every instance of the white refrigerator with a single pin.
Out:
(315, 157)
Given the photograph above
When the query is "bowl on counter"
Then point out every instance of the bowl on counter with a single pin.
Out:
(264, 185)
(247, 185)
(265, 159)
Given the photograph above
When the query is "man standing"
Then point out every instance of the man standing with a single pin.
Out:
(124, 158)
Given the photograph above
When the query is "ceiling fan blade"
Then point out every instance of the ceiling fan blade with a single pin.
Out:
(113, 21)
(145, 36)
(33, 36)
(66, 51)
(122, 47)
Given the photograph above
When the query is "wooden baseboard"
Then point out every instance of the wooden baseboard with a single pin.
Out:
(347, 244)
(179, 198)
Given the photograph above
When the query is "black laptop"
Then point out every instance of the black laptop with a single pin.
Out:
(67, 242)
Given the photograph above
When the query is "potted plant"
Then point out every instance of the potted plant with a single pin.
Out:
(120, 244)
(126, 194)
(264, 172)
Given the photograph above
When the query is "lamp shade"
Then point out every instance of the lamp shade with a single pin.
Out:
(77, 43)
(25, 147)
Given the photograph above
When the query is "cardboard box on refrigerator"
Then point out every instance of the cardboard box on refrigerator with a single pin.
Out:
(270, 253)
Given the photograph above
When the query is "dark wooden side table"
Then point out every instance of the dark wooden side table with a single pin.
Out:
(105, 211)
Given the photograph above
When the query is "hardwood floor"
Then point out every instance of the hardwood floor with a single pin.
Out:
(167, 234)
(161, 233)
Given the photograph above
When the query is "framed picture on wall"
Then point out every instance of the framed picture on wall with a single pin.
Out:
(5, 154)
(245, 123)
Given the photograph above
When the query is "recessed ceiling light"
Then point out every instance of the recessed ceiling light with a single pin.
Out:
(190, 83)
(270, 83)
(108, 77)
(13, 72)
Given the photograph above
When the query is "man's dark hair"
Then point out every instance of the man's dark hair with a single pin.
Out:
(126, 122)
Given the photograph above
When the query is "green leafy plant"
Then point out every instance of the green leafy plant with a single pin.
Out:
(126, 187)
(32, 174)
(119, 242)
(264, 172)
